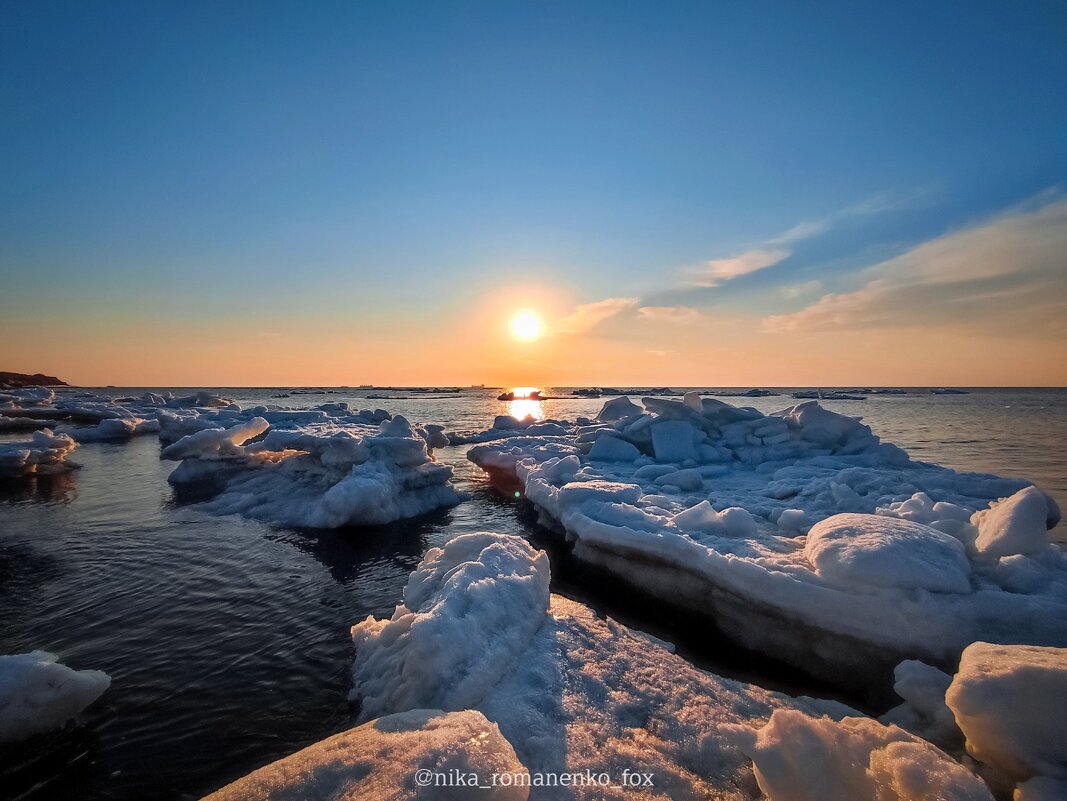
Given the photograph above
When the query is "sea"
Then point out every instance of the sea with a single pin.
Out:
(227, 640)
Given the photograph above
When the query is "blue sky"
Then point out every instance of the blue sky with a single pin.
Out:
(379, 159)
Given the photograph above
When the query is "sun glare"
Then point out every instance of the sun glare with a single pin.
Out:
(526, 325)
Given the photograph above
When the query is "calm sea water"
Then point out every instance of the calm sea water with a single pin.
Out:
(227, 640)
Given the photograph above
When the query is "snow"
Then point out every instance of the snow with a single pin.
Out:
(380, 759)
(115, 429)
(1041, 788)
(732, 522)
(328, 474)
(469, 611)
(1011, 704)
(1015, 525)
(216, 443)
(803, 758)
(37, 694)
(853, 550)
(618, 408)
(43, 453)
(800, 533)
(924, 711)
(613, 449)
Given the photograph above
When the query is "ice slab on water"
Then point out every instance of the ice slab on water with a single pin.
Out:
(37, 694)
(324, 475)
(43, 453)
(801, 532)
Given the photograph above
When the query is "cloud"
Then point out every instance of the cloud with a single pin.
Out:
(670, 314)
(779, 247)
(876, 204)
(589, 315)
(718, 271)
(1008, 273)
(798, 290)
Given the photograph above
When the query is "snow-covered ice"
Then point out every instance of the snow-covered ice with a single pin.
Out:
(1010, 701)
(38, 694)
(862, 551)
(115, 429)
(803, 758)
(1041, 788)
(1006, 707)
(924, 711)
(574, 692)
(800, 532)
(379, 760)
(469, 611)
(1015, 525)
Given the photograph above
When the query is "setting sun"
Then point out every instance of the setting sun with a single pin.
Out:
(526, 325)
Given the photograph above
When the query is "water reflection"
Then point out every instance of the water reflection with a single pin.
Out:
(54, 488)
(526, 407)
(526, 402)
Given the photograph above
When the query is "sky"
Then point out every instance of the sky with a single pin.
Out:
(688, 194)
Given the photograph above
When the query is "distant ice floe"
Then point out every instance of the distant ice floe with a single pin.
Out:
(325, 472)
(505, 426)
(325, 467)
(572, 692)
(380, 759)
(801, 533)
(84, 417)
(37, 694)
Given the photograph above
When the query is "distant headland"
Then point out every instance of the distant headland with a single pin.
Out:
(16, 380)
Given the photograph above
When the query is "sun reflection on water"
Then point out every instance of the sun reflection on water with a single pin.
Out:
(524, 405)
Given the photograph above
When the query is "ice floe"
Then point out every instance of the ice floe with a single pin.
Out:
(38, 694)
(115, 429)
(800, 532)
(324, 472)
(43, 453)
(576, 693)
(798, 757)
(1010, 702)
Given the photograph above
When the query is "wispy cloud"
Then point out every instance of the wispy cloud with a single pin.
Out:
(589, 315)
(779, 247)
(799, 290)
(876, 204)
(669, 314)
(1008, 272)
(719, 271)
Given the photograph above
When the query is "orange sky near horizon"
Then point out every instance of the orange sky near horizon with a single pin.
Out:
(459, 349)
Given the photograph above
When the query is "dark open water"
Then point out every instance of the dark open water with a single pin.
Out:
(227, 640)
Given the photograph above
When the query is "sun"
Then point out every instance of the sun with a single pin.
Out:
(526, 325)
